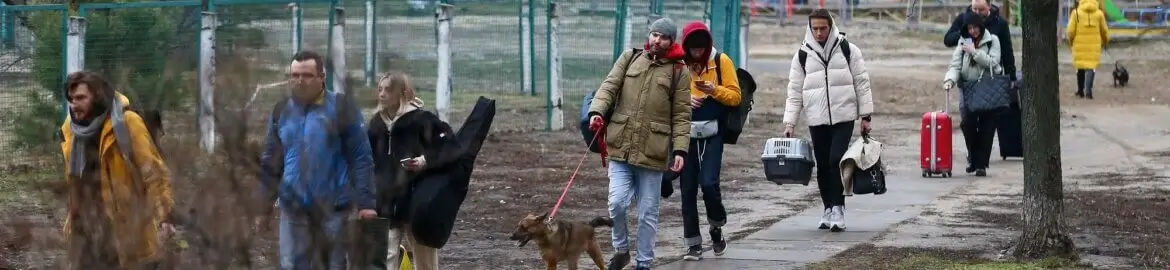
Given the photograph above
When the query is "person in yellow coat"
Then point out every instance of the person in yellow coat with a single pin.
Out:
(1088, 32)
(119, 186)
(714, 93)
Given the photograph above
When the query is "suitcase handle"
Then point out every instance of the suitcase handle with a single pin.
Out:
(947, 102)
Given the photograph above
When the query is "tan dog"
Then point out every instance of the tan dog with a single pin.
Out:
(562, 241)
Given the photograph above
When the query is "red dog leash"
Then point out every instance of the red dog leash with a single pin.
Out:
(574, 175)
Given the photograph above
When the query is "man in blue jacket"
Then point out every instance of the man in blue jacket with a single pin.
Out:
(318, 149)
(994, 24)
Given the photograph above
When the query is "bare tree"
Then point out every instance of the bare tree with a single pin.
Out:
(1044, 232)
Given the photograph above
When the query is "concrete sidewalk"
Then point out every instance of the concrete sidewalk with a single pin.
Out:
(795, 241)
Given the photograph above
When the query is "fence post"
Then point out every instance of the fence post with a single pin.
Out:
(443, 80)
(556, 115)
(655, 13)
(1065, 8)
(526, 53)
(846, 10)
(74, 42)
(206, 118)
(296, 27)
(620, 16)
(707, 7)
(371, 42)
(337, 50)
(913, 14)
(744, 24)
(75, 45)
(788, 5)
(7, 28)
(627, 25)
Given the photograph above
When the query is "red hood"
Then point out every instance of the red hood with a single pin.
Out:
(697, 31)
(695, 27)
(675, 53)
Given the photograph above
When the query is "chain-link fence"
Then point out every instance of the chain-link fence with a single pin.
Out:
(159, 53)
(31, 61)
(150, 50)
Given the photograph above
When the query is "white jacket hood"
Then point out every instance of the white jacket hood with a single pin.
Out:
(811, 41)
(829, 88)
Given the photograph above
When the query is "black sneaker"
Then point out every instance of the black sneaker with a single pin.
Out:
(619, 260)
(970, 168)
(718, 244)
(981, 172)
(694, 253)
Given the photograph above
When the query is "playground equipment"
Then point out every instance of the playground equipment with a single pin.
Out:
(1125, 22)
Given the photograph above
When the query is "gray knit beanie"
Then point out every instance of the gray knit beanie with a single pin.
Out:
(665, 26)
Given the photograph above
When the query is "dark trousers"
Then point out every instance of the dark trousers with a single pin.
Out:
(701, 172)
(373, 239)
(829, 144)
(979, 133)
(1085, 81)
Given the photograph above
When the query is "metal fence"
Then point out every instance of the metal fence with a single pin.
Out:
(165, 55)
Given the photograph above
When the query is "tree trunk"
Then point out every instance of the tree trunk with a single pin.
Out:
(1044, 229)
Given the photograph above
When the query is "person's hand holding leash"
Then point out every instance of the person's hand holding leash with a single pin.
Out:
(948, 84)
(595, 123)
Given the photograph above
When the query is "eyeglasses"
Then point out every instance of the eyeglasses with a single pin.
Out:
(301, 76)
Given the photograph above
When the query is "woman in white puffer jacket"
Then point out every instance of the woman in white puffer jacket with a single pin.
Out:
(831, 94)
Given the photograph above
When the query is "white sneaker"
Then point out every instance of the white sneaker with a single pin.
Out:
(837, 219)
(824, 224)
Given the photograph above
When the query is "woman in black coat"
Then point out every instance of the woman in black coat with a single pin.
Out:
(407, 143)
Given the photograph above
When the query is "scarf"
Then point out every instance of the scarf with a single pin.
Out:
(388, 119)
(83, 134)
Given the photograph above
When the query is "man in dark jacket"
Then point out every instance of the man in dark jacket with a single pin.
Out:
(994, 24)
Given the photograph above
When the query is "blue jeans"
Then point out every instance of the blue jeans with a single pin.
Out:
(297, 246)
(701, 172)
(627, 182)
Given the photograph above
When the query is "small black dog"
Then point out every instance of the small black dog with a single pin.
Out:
(1120, 75)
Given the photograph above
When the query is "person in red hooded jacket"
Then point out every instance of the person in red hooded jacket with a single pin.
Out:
(646, 134)
(714, 91)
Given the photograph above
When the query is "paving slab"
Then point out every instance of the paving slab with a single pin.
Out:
(795, 241)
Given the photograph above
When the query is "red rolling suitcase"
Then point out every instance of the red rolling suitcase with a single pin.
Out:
(936, 153)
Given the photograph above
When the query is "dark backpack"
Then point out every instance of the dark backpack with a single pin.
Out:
(732, 123)
(153, 120)
(588, 100)
(844, 50)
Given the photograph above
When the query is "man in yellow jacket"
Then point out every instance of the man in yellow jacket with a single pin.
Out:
(1088, 32)
(119, 186)
(714, 92)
